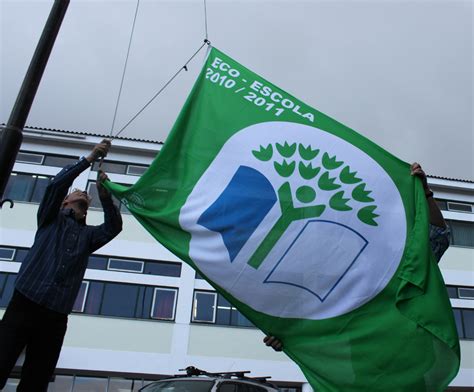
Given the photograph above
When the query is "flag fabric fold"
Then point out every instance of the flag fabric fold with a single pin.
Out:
(316, 234)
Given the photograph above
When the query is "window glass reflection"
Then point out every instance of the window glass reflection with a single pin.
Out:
(61, 384)
(90, 384)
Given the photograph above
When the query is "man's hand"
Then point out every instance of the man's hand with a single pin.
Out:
(416, 170)
(101, 177)
(100, 150)
(273, 342)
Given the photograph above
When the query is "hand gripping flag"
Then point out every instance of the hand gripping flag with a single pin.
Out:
(317, 235)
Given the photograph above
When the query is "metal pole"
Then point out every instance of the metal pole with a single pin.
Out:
(11, 136)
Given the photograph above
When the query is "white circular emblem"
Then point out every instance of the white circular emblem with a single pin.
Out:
(295, 222)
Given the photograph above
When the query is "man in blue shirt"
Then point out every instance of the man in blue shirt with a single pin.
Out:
(51, 274)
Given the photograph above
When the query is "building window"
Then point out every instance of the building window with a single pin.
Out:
(26, 187)
(135, 170)
(121, 168)
(125, 265)
(45, 159)
(210, 307)
(120, 385)
(130, 301)
(164, 304)
(119, 300)
(7, 286)
(94, 298)
(466, 292)
(442, 204)
(289, 389)
(61, 383)
(459, 207)
(59, 160)
(7, 254)
(26, 157)
(88, 384)
(229, 315)
(97, 262)
(110, 167)
(81, 298)
(204, 307)
(163, 268)
(462, 233)
(20, 254)
(149, 267)
(464, 322)
(463, 292)
(456, 206)
(13, 254)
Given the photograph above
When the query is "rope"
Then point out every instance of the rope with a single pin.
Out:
(124, 68)
(184, 67)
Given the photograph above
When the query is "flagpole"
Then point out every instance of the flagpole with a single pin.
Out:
(11, 135)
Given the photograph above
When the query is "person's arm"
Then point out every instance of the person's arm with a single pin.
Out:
(112, 225)
(57, 190)
(439, 230)
(436, 217)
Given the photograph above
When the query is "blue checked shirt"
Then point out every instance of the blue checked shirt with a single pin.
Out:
(439, 240)
(52, 271)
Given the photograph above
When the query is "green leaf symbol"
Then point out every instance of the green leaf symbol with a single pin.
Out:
(307, 153)
(264, 154)
(339, 203)
(360, 194)
(367, 215)
(305, 194)
(285, 169)
(348, 177)
(286, 150)
(331, 163)
(326, 183)
(307, 171)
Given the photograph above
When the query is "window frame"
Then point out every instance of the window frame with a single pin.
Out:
(127, 261)
(13, 255)
(194, 307)
(449, 202)
(452, 226)
(31, 154)
(127, 172)
(175, 301)
(468, 289)
(95, 166)
(87, 283)
(35, 176)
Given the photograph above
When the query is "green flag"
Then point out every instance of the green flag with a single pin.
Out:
(314, 233)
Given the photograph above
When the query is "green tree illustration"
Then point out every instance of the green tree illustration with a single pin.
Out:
(293, 160)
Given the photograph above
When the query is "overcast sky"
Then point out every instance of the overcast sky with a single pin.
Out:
(398, 72)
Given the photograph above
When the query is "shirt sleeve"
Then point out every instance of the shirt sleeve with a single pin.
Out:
(439, 240)
(57, 190)
(111, 227)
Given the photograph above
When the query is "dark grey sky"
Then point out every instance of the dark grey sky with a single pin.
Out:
(398, 72)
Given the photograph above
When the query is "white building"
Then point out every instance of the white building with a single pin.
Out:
(143, 314)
